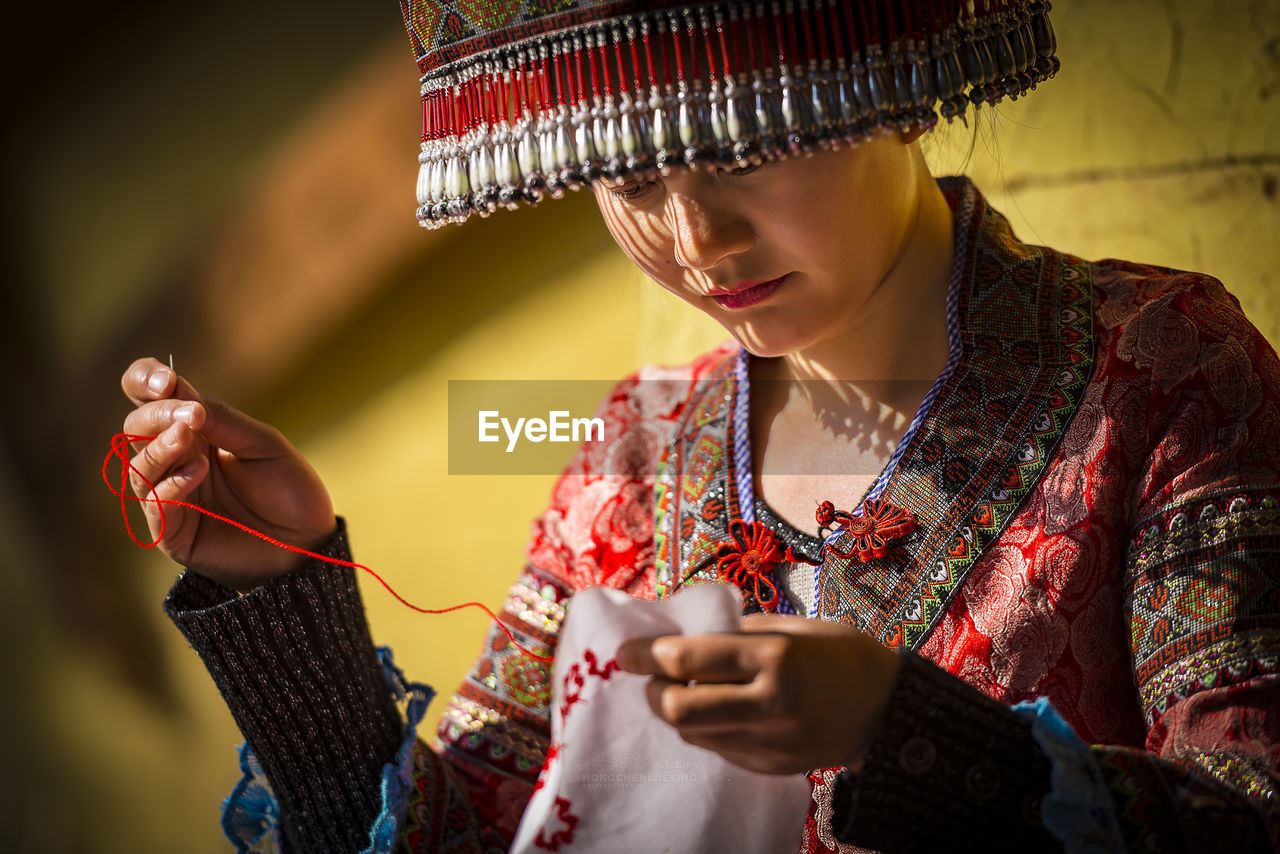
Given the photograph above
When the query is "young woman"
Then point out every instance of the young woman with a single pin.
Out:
(989, 473)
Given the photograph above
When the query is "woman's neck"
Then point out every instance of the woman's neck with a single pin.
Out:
(899, 343)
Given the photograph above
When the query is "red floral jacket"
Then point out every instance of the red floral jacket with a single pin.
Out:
(1095, 488)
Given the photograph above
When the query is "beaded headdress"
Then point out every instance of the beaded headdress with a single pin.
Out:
(523, 99)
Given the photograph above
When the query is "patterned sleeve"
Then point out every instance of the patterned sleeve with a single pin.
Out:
(1202, 591)
(1202, 599)
(495, 731)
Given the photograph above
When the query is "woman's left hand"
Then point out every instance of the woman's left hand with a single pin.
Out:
(785, 696)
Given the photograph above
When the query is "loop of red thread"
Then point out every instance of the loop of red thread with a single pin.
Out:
(120, 449)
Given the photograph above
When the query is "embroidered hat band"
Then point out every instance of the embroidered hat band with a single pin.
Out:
(523, 100)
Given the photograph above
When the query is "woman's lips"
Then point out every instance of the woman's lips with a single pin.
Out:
(750, 295)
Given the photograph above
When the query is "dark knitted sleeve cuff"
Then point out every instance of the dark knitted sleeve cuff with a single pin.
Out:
(296, 665)
(951, 770)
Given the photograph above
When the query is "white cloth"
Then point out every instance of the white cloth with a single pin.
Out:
(620, 780)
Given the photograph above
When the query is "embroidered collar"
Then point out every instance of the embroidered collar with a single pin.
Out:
(741, 408)
(1020, 321)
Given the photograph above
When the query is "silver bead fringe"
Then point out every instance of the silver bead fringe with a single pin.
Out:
(710, 120)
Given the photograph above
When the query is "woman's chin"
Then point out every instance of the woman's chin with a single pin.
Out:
(762, 344)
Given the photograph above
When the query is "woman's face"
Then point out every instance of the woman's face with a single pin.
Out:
(784, 256)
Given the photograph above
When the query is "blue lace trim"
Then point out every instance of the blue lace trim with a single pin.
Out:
(397, 777)
(1079, 810)
(251, 816)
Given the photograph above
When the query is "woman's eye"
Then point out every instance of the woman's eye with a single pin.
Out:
(744, 170)
(631, 192)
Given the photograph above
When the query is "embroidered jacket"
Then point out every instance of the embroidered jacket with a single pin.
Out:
(1094, 482)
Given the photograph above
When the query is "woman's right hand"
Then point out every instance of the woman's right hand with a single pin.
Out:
(214, 456)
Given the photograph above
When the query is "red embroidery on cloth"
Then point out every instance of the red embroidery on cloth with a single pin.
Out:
(749, 559)
(563, 836)
(552, 752)
(574, 681)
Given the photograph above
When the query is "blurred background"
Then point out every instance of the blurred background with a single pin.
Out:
(232, 184)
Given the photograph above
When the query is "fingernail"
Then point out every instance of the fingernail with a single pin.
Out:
(185, 413)
(158, 381)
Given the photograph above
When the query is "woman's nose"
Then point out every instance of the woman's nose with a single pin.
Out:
(705, 235)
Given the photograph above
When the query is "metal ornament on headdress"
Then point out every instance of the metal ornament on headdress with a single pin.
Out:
(519, 103)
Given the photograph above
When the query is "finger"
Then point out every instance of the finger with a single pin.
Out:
(152, 419)
(179, 483)
(230, 429)
(177, 486)
(148, 379)
(705, 707)
(785, 624)
(756, 749)
(159, 395)
(747, 759)
(162, 454)
(706, 658)
(754, 759)
(768, 622)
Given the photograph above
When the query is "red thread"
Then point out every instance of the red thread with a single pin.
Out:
(120, 449)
